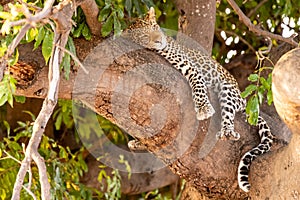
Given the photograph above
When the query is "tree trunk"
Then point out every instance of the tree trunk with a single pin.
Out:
(197, 21)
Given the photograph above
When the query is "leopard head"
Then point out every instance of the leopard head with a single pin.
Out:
(146, 32)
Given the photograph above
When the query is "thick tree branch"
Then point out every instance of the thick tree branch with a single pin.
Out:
(256, 29)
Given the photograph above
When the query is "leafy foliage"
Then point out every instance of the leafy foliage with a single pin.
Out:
(64, 167)
(81, 28)
(256, 91)
(7, 89)
(63, 115)
(113, 190)
(112, 13)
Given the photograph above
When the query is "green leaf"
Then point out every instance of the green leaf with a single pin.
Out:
(270, 97)
(63, 153)
(117, 26)
(128, 6)
(31, 114)
(260, 94)
(137, 7)
(10, 99)
(107, 26)
(104, 13)
(77, 32)
(47, 45)
(12, 84)
(249, 90)
(31, 34)
(252, 109)
(66, 65)
(5, 15)
(120, 13)
(3, 194)
(58, 121)
(7, 126)
(150, 3)
(39, 38)
(14, 59)
(86, 32)
(20, 99)
(264, 82)
(71, 46)
(253, 77)
(3, 99)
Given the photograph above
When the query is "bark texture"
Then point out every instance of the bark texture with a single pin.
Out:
(197, 21)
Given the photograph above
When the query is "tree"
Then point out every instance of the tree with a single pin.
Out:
(177, 133)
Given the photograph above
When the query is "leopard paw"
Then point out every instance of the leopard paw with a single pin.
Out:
(228, 134)
(205, 112)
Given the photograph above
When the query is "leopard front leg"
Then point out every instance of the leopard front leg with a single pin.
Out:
(203, 107)
(230, 103)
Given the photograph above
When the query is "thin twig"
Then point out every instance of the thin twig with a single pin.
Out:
(74, 57)
(30, 193)
(11, 157)
(256, 29)
(240, 38)
(270, 45)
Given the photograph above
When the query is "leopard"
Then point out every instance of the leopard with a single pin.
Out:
(202, 72)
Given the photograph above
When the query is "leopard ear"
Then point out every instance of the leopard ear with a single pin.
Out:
(151, 13)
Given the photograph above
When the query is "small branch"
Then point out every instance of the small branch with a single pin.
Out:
(256, 29)
(242, 39)
(30, 193)
(11, 157)
(74, 57)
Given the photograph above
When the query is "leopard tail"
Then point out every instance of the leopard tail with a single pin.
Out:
(266, 140)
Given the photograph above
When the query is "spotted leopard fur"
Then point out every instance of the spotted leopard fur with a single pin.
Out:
(202, 72)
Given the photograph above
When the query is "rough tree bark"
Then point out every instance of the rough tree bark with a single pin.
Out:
(195, 13)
